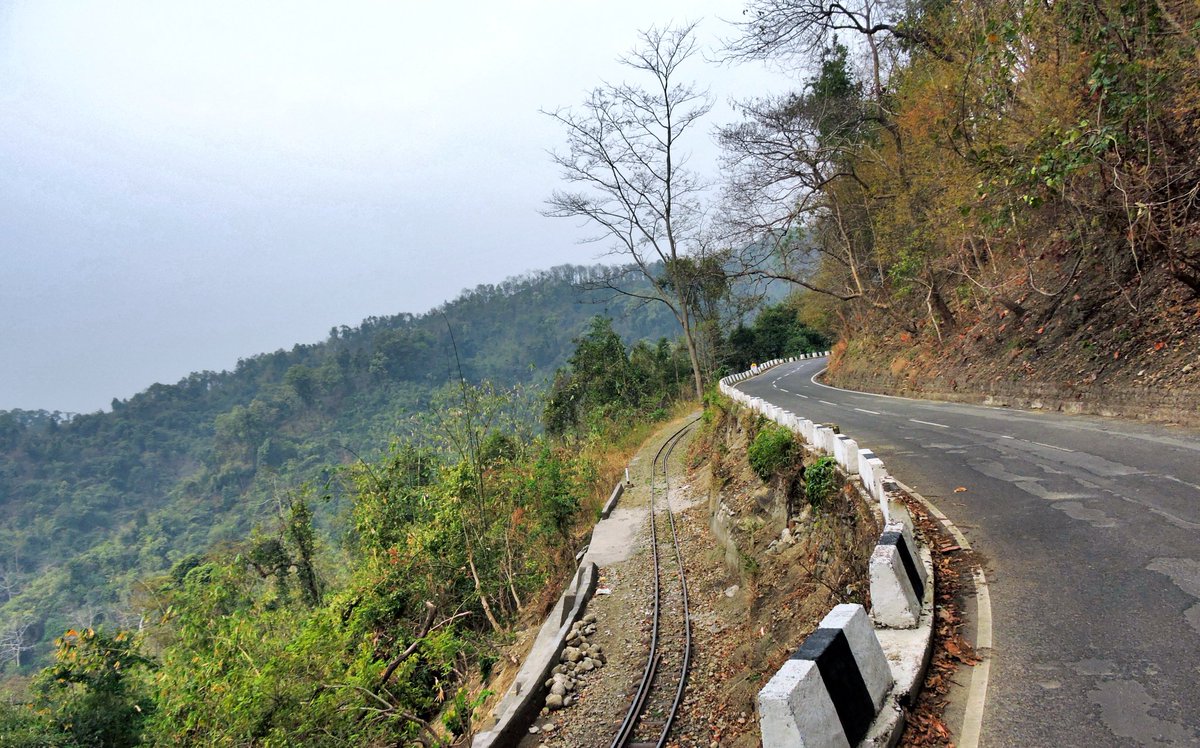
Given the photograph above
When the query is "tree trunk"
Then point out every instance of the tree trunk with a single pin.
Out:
(693, 355)
(487, 609)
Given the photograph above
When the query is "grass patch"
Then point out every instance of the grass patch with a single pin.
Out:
(771, 450)
(820, 481)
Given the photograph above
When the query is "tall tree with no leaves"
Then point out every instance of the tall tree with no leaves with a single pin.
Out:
(630, 176)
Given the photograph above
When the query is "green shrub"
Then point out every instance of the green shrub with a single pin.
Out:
(771, 449)
(820, 480)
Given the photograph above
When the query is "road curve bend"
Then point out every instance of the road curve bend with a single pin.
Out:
(1090, 532)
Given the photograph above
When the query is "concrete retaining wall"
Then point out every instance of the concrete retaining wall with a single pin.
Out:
(612, 501)
(521, 704)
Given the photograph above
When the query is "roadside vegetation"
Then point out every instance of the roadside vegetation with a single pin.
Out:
(383, 624)
(91, 504)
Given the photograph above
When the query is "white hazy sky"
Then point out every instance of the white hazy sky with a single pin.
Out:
(186, 183)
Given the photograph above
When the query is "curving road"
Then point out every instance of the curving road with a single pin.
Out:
(1090, 531)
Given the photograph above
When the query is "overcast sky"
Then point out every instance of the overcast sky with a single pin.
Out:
(186, 183)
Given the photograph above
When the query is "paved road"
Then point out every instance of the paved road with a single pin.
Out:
(1090, 530)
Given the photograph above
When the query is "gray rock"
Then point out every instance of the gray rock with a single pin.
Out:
(558, 689)
(572, 654)
(554, 701)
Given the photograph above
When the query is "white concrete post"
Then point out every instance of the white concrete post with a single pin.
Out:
(897, 580)
(830, 691)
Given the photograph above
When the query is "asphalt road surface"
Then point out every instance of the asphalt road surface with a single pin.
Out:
(1090, 532)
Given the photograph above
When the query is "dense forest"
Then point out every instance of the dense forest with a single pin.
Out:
(381, 627)
(91, 503)
(982, 190)
(94, 503)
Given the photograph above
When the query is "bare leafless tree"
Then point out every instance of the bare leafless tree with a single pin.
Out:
(14, 640)
(12, 580)
(629, 174)
(775, 29)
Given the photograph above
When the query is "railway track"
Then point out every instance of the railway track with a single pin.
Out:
(660, 692)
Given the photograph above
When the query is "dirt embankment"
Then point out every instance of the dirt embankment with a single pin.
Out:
(764, 566)
(1089, 352)
(769, 566)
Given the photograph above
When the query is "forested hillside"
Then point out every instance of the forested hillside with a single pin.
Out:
(384, 628)
(992, 193)
(92, 503)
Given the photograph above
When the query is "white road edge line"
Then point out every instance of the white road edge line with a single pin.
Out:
(872, 412)
(829, 403)
(930, 423)
(972, 727)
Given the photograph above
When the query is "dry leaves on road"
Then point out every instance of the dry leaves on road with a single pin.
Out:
(925, 727)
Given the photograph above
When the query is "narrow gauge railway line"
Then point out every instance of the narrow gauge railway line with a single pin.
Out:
(657, 699)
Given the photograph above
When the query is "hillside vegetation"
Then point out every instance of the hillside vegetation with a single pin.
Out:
(383, 630)
(981, 194)
(92, 503)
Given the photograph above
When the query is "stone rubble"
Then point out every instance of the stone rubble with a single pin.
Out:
(578, 658)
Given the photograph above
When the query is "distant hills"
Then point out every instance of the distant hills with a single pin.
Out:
(91, 503)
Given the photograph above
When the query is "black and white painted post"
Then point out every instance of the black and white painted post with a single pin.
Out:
(898, 579)
(829, 692)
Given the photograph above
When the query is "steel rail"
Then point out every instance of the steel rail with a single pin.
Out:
(634, 713)
(687, 615)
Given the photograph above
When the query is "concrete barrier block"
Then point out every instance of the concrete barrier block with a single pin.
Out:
(794, 709)
(864, 464)
(825, 438)
(871, 469)
(897, 581)
(901, 522)
(829, 692)
(845, 451)
(852, 620)
(807, 429)
(877, 489)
